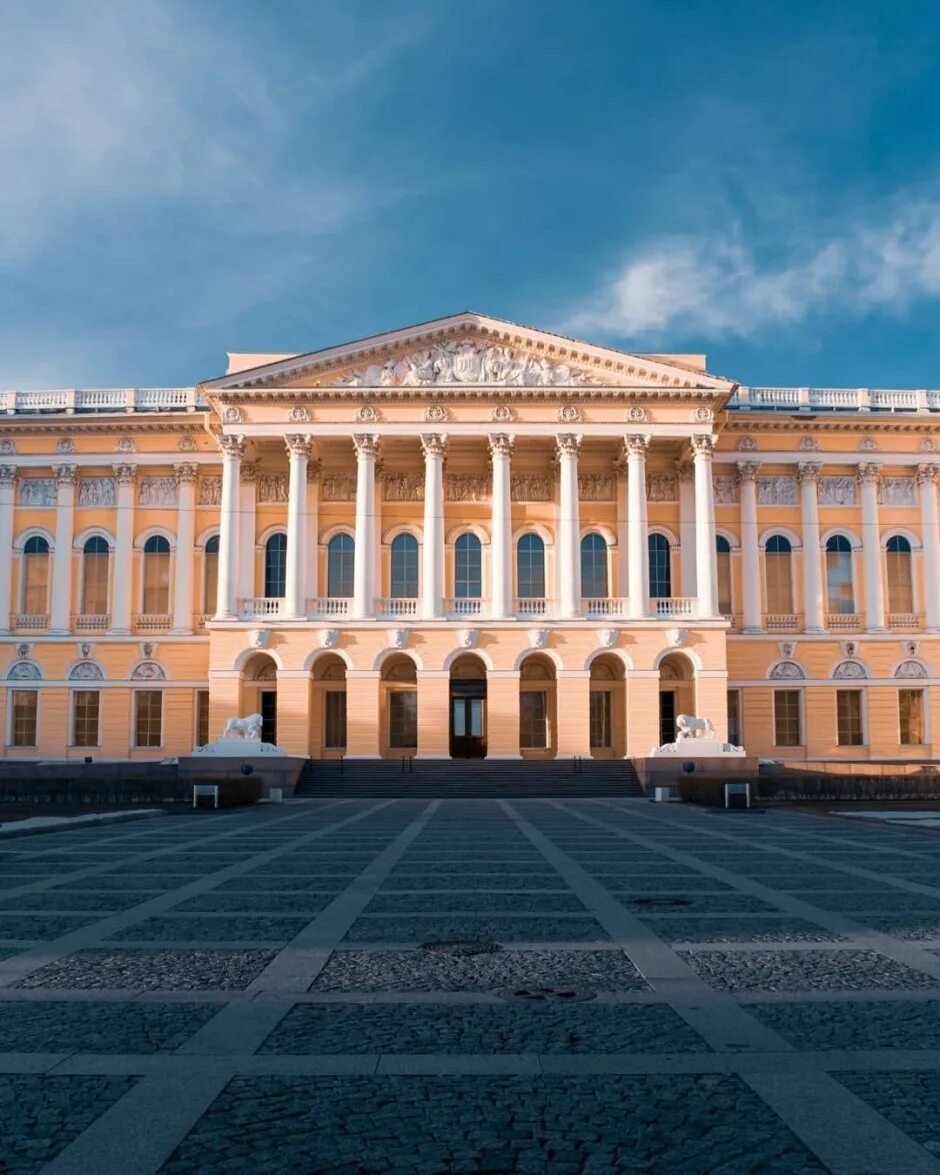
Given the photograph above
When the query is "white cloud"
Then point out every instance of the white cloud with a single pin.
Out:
(719, 286)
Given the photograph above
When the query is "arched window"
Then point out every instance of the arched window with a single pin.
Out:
(900, 579)
(275, 566)
(723, 564)
(839, 590)
(340, 566)
(211, 574)
(778, 569)
(156, 600)
(95, 559)
(35, 577)
(594, 584)
(530, 567)
(660, 570)
(404, 576)
(468, 567)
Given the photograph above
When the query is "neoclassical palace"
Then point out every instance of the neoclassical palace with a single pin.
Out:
(470, 538)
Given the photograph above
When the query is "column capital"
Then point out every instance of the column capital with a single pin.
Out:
(636, 444)
(186, 473)
(66, 475)
(7, 475)
(747, 470)
(232, 445)
(433, 444)
(568, 444)
(366, 444)
(702, 444)
(869, 473)
(125, 474)
(927, 473)
(501, 444)
(298, 444)
(808, 471)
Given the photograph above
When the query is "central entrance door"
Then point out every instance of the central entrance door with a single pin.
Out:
(467, 719)
(667, 716)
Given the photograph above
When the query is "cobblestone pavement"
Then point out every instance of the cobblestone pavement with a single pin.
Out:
(575, 986)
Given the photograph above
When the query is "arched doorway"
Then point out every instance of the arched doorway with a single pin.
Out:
(607, 716)
(468, 708)
(259, 693)
(399, 703)
(537, 714)
(676, 693)
(329, 706)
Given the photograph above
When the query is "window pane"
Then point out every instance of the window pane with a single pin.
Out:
(156, 600)
(533, 724)
(779, 582)
(36, 582)
(600, 718)
(95, 582)
(849, 717)
(85, 711)
(25, 705)
(787, 732)
(202, 717)
(404, 578)
(340, 566)
(725, 607)
(468, 567)
(335, 719)
(734, 717)
(911, 716)
(594, 584)
(211, 588)
(530, 567)
(839, 581)
(275, 566)
(403, 718)
(660, 571)
(148, 725)
(900, 587)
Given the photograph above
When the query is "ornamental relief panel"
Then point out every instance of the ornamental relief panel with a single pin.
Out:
(466, 487)
(37, 491)
(404, 487)
(596, 487)
(272, 487)
(725, 490)
(97, 491)
(661, 487)
(338, 487)
(466, 363)
(776, 491)
(836, 491)
(210, 491)
(157, 491)
(896, 491)
(530, 487)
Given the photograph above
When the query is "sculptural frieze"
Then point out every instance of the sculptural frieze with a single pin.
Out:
(272, 487)
(158, 491)
(466, 487)
(896, 491)
(596, 487)
(530, 487)
(97, 491)
(725, 489)
(210, 491)
(404, 487)
(836, 491)
(338, 487)
(776, 491)
(466, 363)
(661, 487)
(37, 491)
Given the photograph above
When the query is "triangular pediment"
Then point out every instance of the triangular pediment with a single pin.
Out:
(466, 349)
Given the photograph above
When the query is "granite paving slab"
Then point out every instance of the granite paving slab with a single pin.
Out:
(912, 927)
(151, 970)
(883, 1024)
(477, 881)
(77, 900)
(675, 928)
(535, 903)
(693, 902)
(308, 903)
(39, 927)
(866, 900)
(216, 929)
(381, 928)
(909, 1100)
(841, 970)
(63, 1027)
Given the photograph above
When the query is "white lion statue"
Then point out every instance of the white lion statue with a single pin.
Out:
(248, 728)
(688, 726)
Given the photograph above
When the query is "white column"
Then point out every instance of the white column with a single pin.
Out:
(687, 579)
(185, 544)
(298, 447)
(750, 552)
(623, 534)
(62, 555)
(432, 553)
(501, 537)
(126, 478)
(569, 528)
(232, 449)
(367, 449)
(7, 499)
(706, 562)
(868, 476)
(313, 528)
(247, 505)
(638, 540)
(814, 620)
(927, 480)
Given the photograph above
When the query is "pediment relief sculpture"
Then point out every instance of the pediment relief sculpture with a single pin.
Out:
(466, 362)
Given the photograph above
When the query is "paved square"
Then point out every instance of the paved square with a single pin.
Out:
(578, 986)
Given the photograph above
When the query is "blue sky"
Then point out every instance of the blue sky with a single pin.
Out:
(186, 177)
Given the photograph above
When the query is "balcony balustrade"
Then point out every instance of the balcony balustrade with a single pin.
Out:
(669, 606)
(782, 622)
(153, 622)
(527, 606)
(327, 607)
(843, 621)
(260, 606)
(88, 622)
(463, 606)
(904, 621)
(602, 607)
(24, 622)
(397, 607)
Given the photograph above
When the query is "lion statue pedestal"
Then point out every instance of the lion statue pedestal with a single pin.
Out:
(241, 739)
(695, 739)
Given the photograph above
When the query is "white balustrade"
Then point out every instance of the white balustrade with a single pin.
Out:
(30, 623)
(893, 400)
(260, 606)
(843, 621)
(321, 606)
(837, 399)
(669, 606)
(153, 623)
(100, 399)
(532, 606)
(464, 605)
(604, 606)
(103, 400)
(781, 622)
(398, 606)
(898, 621)
(90, 623)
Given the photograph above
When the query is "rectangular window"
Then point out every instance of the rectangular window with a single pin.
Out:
(849, 717)
(734, 717)
(600, 719)
(403, 718)
(24, 704)
(533, 719)
(35, 584)
(468, 568)
(148, 718)
(334, 719)
(779, 583)
(95, 566)
(86, 709)
(202, 717)
(787, 725)
(911, 717)
(725, 606)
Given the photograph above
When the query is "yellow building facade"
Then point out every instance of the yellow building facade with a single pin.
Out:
(470, 538)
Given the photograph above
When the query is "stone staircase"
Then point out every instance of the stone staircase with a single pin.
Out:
(467, 778)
